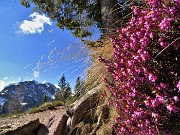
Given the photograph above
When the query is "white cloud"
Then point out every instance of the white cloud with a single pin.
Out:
(36, 25)
(5, 78)
(19, 79)
(36, 74)
(2, 84)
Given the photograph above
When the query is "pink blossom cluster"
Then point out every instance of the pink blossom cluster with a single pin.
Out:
(145, 83)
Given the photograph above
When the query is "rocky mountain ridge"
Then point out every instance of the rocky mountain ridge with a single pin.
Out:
(25, 95)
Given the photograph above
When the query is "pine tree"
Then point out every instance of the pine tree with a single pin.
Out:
(67, 92)
(45, 99)
(78, 89)
(65, 89)
(62, 82)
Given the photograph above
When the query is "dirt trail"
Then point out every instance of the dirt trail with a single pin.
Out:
(50, 121)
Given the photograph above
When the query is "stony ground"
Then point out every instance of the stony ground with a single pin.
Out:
(47, 118)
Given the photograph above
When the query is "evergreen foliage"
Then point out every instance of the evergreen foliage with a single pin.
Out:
(62, 82)
(78, 88)
(44, 99)
(65, 90)
(81, 16)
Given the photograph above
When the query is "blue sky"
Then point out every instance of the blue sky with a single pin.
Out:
(32, 47)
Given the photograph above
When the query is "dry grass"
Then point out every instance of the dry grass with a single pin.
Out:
(97, 70)
(45, 106)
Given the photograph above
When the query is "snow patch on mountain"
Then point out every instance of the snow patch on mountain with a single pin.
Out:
(2, 100)
(26, 95)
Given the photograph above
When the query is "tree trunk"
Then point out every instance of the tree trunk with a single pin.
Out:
(110, 15)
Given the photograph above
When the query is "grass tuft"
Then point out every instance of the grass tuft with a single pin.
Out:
(46, 106)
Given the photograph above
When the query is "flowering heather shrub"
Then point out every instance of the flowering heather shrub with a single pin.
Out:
(145, 72)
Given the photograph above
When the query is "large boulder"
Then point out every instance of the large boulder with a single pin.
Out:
(80, 108)
(54, 123)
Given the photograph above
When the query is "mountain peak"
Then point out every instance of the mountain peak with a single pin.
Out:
(25, 95)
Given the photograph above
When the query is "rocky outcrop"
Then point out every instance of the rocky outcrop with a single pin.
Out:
(49, 122)
(53, 124)
(28, 128)
(81, 107)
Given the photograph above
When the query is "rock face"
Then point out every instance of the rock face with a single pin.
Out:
(25, 129)
(53, 124)
(80, 108)
(25, 95)
(43, 123)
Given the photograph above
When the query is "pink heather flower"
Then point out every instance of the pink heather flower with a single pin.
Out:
(140, 125)
(134, 103)
(147, 103)
(165, 24)
(116, 120)
(171, 108)
(178, 85)
(139, 34)
(155, 102)
(163, 85)
(132, 45)
(160, 98)
(136, 58)
(176, 98)
(177, 2)
(144, 41)
(147, 25)
(172, 10)
(160, 39)
(151, 35)
(140, 20)
(126, 44)
(108, 67)
(152, 77)
(144, 56)
(123, 129)
(163, 44)
(135, 10)
(127, 122)
(138, 70)
(171, 73)
(116, 65)
(145, 70)
(124, 73)
(155, 115)
(137, 113)
(176, 46)
(147, 122)
(130, 62)
(148, 97)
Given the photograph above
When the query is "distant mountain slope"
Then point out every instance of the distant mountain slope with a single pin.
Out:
(25, 95)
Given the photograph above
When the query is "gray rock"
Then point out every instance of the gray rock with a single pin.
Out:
(25, 129)
(54, 124)
(81, 106)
